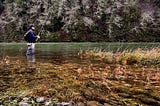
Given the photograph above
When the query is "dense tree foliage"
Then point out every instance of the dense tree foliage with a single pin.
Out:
(82, 20)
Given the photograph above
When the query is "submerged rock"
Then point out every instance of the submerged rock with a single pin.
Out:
(25, 99)
(24, 104)
(106, 104)
(47, 103)
(63, 104)
(40, 100)
(93, 103)
(80, 104)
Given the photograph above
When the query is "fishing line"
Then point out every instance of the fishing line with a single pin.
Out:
(44, 23)
(46, 18)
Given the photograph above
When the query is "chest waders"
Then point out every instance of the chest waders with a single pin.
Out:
(30, 48)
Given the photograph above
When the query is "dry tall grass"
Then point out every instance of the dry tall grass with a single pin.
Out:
(138, 56)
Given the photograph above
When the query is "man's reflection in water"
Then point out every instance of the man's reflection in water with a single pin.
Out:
(31, 60)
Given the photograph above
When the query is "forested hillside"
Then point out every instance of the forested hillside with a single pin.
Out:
(81, 20)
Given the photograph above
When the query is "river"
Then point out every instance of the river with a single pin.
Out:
(56, 71)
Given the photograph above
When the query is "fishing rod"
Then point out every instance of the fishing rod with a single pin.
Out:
(45, 21)
(42, 26)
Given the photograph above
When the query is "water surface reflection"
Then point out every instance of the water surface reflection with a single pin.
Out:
(31, 60)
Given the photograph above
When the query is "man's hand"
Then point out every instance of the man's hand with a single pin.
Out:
(38, 36)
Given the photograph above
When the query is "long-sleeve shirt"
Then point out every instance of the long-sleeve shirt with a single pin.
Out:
(30, 36)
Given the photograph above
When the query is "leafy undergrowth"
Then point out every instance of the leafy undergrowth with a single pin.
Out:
(80, 81)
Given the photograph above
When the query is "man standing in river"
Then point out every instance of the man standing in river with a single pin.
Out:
(31, 39)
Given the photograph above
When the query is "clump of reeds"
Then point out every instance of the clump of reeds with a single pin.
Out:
(129, 57)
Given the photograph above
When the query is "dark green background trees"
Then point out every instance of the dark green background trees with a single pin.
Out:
(81, 20)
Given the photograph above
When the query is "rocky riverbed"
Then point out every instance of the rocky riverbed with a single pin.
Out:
(61, 81)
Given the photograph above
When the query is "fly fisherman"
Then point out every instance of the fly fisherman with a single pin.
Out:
(31, 38)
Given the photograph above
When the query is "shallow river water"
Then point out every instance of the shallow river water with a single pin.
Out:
(56, 71)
